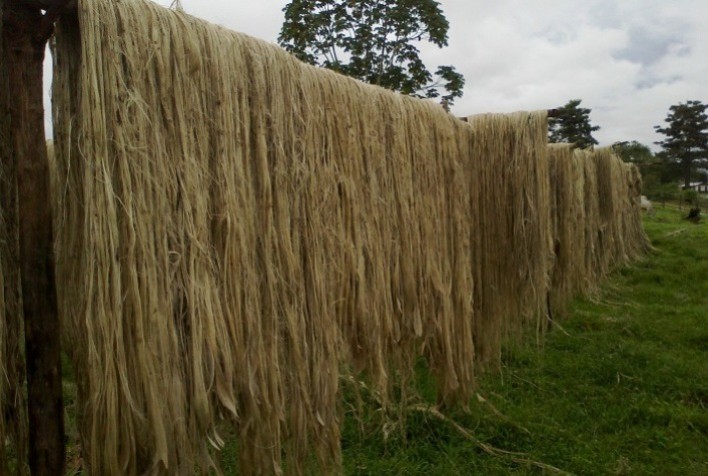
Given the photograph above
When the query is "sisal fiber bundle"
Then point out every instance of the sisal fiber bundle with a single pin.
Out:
(597, 222)
(612, 212)
(238, 229)
(627, 183)
(611, 244)
(592, 225)
(512, 251)
(580, 272)
(636, 238)
(567, 184)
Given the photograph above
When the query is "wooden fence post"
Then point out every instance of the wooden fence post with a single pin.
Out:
(26, 30)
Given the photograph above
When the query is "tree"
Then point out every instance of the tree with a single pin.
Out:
(633, 152)
(641, 155)
(374, 41)
(686, 140)
(659, 175)
(571, 123)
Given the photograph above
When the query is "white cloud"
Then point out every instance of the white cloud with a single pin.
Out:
(628, 61)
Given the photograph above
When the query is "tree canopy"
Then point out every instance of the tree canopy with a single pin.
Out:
(571, 123)
(686, 139)
(658, 174)
(633, 152)
(374, 41)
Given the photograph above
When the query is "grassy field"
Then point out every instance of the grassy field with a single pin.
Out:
(622, 388)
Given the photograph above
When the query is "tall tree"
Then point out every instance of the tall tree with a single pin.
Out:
(571, 123)
(374, 41)
(686, 139)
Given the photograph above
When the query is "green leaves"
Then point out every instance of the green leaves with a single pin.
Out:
(572, 124)
(374, 41)
(686, 136)
(633, 151)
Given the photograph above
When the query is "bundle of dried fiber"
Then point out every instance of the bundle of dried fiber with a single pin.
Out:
(627, 211)
(613, 230)
(13, 410)
(577, 266)
(564, 211)
(609, 182)
(237, 228)
(597, 221)
(157, 354)
(636, 239)
(622, 235)
(512, 251)
(445, 273)
(593, 225)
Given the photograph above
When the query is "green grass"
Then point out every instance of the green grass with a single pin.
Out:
(622, 390)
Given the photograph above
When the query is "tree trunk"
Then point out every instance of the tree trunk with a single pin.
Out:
(24, 53)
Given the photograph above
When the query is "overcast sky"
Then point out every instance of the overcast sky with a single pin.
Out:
(628, 60)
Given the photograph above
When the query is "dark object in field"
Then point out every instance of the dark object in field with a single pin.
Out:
(694, 215)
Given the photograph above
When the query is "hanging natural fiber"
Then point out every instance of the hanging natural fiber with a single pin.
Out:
(513, 252)
(568, 211)
(597, 220)
(238, 229)
(636, 238)
(612, 213)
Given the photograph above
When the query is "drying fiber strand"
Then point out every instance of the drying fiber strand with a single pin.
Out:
(513, 254)
(567, 184)
(239, 229)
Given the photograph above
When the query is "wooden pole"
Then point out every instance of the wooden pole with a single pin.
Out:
(26, 30)
(555, 112)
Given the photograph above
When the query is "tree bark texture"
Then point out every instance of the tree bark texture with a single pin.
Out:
(24, 41)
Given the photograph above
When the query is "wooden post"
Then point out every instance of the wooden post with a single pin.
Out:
(555, 112)
(25, 32)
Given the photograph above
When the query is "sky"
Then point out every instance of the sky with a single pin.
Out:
(627, 60)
